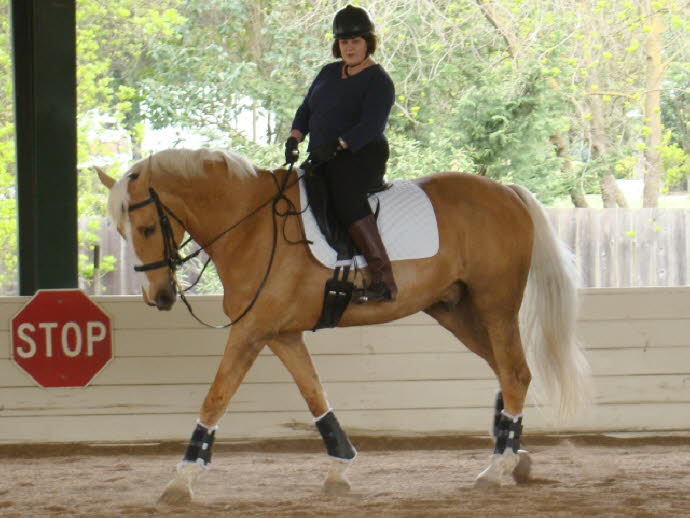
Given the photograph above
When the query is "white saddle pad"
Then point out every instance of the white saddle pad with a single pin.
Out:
(406, 221)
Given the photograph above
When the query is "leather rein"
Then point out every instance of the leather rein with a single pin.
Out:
(173, 260)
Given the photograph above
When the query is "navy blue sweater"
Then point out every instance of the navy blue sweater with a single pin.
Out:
(355, 108)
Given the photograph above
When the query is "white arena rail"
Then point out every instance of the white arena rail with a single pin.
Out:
(410, 377)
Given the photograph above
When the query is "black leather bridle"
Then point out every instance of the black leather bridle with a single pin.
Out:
(171, 256)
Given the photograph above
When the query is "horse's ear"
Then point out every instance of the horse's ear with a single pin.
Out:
(144, 177)
(104, 178)
(140, 180)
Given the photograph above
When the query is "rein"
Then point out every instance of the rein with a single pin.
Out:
(173, 261)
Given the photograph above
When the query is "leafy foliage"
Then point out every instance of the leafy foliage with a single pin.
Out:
(8, 201)
(482, 86)
(676, 163)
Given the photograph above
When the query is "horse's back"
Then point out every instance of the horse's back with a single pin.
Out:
(472, 191)
(483, 221)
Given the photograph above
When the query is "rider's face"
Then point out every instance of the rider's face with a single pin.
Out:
(353, 50)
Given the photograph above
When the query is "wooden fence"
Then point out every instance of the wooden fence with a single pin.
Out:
(624, 248)
(403, 378)
(614, 248)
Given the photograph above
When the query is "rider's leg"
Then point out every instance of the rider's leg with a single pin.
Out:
(365, 233)
(350, 176)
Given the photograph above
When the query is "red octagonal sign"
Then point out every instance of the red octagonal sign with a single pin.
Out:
(61, 338)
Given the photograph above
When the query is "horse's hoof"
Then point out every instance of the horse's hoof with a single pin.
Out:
(176, 493)
(336, 482)
(500, 464)
(336, 487)
(179, 490)
(486, 483)
(521, 473)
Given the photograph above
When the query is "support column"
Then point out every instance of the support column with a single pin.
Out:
(44, 53)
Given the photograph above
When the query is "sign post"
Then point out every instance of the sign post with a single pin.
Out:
(61, 338)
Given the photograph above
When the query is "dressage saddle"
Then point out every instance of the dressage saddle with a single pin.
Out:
(338, 290)
(321, 203)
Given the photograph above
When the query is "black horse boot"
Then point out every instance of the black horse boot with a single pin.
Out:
(382, 287)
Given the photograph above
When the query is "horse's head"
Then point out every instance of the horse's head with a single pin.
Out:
(142, 220)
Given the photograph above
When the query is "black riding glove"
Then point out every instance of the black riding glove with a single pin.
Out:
(291, 151)
(327, 151)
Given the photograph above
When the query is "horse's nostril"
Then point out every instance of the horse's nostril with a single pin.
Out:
(164, 301)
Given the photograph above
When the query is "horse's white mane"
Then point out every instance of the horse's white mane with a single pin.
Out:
(190, 162)
(180, 162)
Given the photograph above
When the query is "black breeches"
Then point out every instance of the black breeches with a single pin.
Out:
(350, 176)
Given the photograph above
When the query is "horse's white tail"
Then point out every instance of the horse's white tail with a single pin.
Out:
(547, 319)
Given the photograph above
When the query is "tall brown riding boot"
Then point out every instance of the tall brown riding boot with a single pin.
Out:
(365, 234)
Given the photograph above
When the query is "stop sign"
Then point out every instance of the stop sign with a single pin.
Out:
(61, 338)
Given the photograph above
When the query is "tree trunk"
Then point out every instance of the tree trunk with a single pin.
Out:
(652, 106)
(255, 116)
(256, 38)
(512, 45)
(577, 195)
(611, 195)
(609, 190)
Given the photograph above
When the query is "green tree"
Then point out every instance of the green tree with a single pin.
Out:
(547, 94)
(111, 41)
(8, 198)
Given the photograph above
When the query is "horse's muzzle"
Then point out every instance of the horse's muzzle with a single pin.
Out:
(164, 300)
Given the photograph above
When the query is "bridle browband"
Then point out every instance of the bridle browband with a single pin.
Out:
(171, 256)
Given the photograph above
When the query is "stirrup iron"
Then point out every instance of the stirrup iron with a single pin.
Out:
(364, 294)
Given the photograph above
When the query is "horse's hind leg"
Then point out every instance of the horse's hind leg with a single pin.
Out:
(463, 321)
(514, 377)
(292, 351)
(479, 332)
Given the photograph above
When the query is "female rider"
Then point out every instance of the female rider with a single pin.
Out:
(345, 111)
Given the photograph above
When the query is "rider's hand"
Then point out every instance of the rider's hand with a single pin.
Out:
(291, 151)
(327, 151)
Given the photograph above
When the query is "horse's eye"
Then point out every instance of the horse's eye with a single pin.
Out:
(147, 231)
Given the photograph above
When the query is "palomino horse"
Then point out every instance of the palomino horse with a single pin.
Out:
(495, 245)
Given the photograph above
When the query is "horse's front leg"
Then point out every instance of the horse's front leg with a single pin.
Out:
(292, 351)
(238, 357)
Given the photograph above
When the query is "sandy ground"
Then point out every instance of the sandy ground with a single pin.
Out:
(577, 476)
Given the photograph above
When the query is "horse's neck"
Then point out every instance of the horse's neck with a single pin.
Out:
(214, 207)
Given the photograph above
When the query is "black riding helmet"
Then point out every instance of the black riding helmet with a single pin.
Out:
(351, 22)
